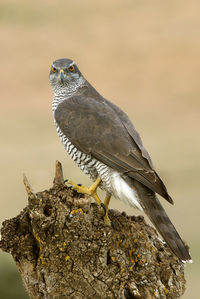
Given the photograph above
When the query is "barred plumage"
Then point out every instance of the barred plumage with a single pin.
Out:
(88, 165)
(102, 141)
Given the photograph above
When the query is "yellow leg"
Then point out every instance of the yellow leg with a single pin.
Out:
(90, 191)
(106, 204)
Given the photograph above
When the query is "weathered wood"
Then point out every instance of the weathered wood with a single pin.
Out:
(63, 249)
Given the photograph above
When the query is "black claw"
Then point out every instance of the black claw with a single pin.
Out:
(104, 208)
(79, 195)
(113, 225)
(79, 185)
(65, 181)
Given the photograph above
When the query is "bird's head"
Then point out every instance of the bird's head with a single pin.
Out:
(64, 74)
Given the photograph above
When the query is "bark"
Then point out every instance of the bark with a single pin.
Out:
(63, 249)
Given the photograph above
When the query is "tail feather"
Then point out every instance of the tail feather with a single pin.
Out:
(159, 218)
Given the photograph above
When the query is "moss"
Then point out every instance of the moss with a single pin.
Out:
(67, 258)
(75, 211)
(97, 255)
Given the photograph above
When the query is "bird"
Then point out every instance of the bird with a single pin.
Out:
(104, 143)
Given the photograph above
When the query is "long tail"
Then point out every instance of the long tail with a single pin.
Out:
(159, 218)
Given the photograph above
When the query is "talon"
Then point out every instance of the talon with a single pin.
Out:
(84, 190)
(104, 209)
(92, 192)
(79, 195)
(113, 225)
(75, 186)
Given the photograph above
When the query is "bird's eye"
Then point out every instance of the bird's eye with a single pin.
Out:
(71, 68)
(53, 69)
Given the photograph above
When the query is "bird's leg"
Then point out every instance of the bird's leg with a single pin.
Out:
(106, 204)
(92, 190)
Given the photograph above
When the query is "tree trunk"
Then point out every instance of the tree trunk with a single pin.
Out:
(63, 249)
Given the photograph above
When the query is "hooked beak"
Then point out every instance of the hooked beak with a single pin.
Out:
(62, 76)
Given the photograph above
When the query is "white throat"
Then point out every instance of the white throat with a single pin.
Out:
(65, 92)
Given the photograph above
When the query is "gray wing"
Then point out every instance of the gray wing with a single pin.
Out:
(99, 128)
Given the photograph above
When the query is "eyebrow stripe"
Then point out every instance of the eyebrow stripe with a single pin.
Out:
(71, 63)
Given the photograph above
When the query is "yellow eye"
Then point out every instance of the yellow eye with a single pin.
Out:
(71, 68)
(53, 69)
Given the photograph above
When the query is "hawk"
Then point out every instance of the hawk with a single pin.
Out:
(103, 142)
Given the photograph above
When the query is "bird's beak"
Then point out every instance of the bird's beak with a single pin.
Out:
(62, 75)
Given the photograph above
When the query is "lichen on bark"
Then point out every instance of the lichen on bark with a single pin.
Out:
(63, 249)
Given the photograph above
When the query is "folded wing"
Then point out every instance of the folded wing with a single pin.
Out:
(103, 130)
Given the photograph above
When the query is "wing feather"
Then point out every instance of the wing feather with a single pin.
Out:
(97, 127)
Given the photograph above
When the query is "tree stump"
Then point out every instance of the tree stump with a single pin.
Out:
(63, 249)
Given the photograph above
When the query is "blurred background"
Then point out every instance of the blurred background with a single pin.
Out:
(142, 55)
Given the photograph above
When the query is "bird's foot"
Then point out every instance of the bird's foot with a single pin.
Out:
(104, 213)
(85, 190)
(92, 191)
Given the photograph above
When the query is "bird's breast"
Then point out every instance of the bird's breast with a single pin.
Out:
(112, 181)
(89, 165)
